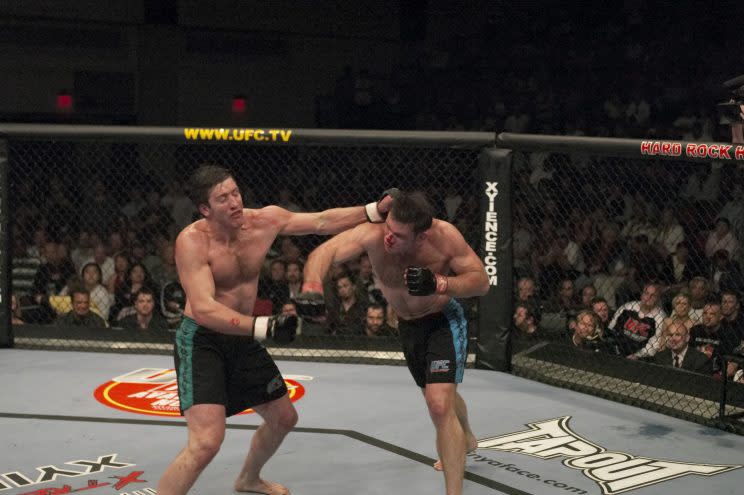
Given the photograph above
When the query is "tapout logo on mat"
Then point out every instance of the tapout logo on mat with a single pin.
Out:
(154, 391)
(615, 472)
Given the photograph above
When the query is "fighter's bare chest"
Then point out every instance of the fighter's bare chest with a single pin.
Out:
(238, 261)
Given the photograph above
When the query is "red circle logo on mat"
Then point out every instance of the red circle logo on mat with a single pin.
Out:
(154, 391)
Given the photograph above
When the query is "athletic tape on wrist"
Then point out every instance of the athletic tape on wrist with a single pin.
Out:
(373, 215)
(261, 327)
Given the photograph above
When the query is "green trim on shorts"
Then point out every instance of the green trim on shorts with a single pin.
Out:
(185, 345)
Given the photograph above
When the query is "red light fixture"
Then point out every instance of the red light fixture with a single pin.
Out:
(238, 104)
(64, 101)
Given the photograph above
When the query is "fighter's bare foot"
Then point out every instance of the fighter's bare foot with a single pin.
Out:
(472, 445)
(263, 487)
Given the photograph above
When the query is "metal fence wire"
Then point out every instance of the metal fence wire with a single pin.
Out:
(103, 214)
(618, 262)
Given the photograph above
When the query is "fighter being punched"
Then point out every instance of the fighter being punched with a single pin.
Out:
(421, 264)
(221, 367)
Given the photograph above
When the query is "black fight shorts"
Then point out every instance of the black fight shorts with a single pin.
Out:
(436, 345)
(232, 370)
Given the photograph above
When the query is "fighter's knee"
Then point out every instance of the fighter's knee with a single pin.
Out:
(439, 407)
(285, 420)
(205, 447)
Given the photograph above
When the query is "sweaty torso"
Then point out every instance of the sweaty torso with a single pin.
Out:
(389, 269)
(236, 263)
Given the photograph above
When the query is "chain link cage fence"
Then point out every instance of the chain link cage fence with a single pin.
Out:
(623, 262)
(94, 218)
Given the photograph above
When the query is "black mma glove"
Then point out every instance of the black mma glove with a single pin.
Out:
(377, 211)
(281, 328)
(423, 282)
(310, 304)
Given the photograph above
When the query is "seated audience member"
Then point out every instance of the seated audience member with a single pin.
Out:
(526, 321)
(731, 311)
(636, 327)
(81, 315)
(347, 316)
(678, 352)
(600, 308)
(101, 300)
(582, 331)
(105, 262)
(699, 291)
(588, 293)
(121, 268)
(724, 273)
(526, 289)
(680, 312)
(677, 269)
(137, 278)
(146, 316)
(15, 311)
(273, 287)
(293, 277)
(714, 339)
(564, 301)
(172, 303)
(722, 238)
(374, 323)
(289, 308)
(50, 279)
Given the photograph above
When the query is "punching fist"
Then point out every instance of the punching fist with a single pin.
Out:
(423, 282)
(377, 211)
(281, 328)
(310, 304)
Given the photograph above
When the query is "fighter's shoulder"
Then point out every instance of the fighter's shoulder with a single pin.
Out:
(193, 236)
(444, 232)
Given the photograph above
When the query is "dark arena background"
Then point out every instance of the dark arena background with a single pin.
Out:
(599, 178)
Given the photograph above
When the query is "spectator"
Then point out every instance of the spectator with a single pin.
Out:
(153, 220)
(733, 210)
(172, 303)
(374, 322)
(526, 321)
(348, 315)
(293, 277)
(677, 269)
(81, 315)
(582, 332)
(23, 271)
(16, 317)
(137, 278)
(178, 204)
(90, 279)
(525, 289)
(699, 291)
(145, 316)
(164, 270)
(84, 249)
(588, 293)
(600, 308)
(50, 279)
(564, 301)
(636, 326)
(289, 308)
(713, 339)
(731, 311)
(679, 354)
(105, 262)
(680, 312)
(670, 233)
(724, 274)
(274, 286)
(722, 238)
(121, 268)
